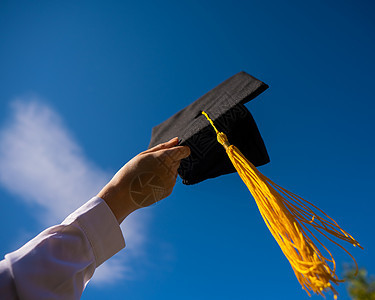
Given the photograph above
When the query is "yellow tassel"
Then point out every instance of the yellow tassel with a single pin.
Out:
(290, 218)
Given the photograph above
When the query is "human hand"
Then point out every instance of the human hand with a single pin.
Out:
(147, 178)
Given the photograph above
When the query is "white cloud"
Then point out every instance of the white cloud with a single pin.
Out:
(42, 164)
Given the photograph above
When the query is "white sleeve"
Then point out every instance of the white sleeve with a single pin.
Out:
(59, 262)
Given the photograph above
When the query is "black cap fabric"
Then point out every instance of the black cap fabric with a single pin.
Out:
(225, 106)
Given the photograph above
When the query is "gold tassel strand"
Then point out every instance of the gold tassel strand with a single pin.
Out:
(288, 217)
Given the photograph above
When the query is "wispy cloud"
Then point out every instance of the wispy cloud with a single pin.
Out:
(42, 164)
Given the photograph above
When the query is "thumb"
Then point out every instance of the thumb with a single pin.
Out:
(176, 153)
(169, 144)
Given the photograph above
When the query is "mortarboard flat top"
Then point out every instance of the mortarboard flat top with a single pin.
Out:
(225, 106)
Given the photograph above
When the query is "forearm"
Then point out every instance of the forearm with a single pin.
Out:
(58, 263)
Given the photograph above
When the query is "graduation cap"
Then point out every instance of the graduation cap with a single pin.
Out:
(225, 105)
(212, 126)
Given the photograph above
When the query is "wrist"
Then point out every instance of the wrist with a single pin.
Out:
(120, 203)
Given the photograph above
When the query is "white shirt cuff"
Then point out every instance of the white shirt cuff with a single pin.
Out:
(101, 228)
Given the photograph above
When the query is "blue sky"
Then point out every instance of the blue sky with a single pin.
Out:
(83, 82)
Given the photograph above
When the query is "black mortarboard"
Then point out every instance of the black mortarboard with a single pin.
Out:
(225, 105)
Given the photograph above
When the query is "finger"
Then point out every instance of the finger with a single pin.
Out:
(171, 143)
(175, 153)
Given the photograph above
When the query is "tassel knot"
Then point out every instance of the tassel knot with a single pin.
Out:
(222, 139)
